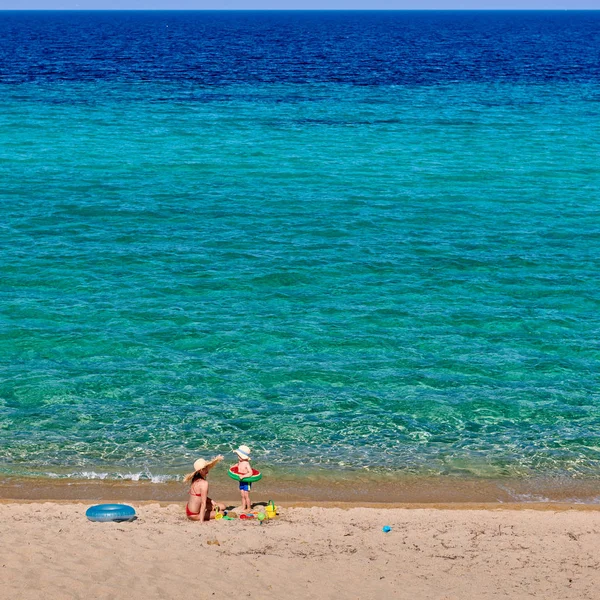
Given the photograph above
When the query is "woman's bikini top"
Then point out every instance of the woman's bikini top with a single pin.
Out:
(192, 487)
(194, 494)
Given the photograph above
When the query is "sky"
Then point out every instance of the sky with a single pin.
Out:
(296, 4)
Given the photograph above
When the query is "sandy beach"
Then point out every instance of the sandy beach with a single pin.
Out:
(464, 552)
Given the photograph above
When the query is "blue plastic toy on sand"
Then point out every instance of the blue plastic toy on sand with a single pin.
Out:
(110, 512)
(386, 529)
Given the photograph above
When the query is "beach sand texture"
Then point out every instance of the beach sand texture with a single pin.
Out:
(52, 550)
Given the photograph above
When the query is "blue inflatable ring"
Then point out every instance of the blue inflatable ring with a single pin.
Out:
(110, 512)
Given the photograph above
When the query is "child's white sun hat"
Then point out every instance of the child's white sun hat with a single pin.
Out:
(243, 452)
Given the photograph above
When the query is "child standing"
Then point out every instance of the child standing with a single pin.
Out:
(244, 470)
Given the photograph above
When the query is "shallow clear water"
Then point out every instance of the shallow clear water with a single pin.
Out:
(332, 241)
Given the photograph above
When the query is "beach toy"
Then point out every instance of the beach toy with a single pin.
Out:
(261, 517)
(219, 515)
(233, 473)
(386, 529)
(110, 512)
(271, 509)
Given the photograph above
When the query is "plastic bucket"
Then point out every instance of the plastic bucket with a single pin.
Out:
(271, 509)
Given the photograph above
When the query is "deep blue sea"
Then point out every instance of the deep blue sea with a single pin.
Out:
(354, 240)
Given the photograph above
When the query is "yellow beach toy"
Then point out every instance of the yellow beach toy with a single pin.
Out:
(271, 510)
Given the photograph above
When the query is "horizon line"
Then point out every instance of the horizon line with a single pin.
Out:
(306, 10)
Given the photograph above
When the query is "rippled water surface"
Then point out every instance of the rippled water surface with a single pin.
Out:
(346, 240)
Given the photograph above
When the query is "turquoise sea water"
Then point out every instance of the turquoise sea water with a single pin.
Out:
(394, 277)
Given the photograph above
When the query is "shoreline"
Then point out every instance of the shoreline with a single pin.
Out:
(361, 490)
(554, 507)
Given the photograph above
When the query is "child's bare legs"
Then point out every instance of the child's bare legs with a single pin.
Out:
(246, 505)
(245, 492)
(246, 500)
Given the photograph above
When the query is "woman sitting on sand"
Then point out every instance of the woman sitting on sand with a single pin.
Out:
(199, 502)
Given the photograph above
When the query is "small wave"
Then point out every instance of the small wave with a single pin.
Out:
(527, 497)
(142, 476)
(88, 475)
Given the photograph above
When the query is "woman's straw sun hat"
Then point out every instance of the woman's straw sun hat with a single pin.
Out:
(206, 464)
(243, 452)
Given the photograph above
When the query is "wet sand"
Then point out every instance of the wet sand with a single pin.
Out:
(361, 490)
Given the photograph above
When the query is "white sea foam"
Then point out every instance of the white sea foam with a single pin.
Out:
(141, 476)
(88, 475)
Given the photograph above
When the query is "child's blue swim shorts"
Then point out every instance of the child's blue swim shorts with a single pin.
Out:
(245, 487)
